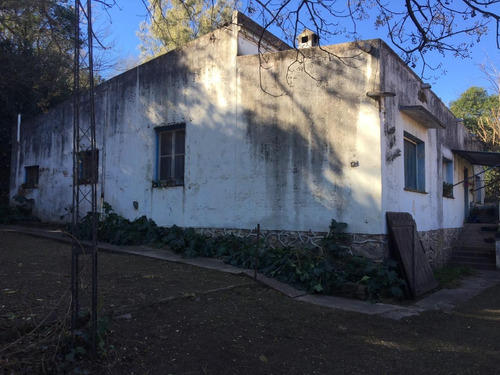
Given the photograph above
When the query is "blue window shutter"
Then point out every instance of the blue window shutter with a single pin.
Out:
(410, 165)
(420, 147)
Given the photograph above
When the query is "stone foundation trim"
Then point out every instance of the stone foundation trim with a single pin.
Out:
(272, 238)
(374, 246)
(438, 245)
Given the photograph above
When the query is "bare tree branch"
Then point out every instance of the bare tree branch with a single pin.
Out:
(413, 27)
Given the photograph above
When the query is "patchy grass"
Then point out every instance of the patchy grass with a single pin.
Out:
(450, 276)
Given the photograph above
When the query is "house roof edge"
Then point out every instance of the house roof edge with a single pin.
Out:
(250, 25)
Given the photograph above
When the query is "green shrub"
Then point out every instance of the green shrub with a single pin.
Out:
(381, 278)
(20, 211)
(336, 242)
(316, 270)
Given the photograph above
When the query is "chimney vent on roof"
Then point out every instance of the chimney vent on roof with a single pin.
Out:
(308, 39)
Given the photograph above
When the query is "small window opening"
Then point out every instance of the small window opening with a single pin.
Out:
(447, 178)
(85, 167)
(171, 142)
(305, 39)
(31, 175)
(414, 163)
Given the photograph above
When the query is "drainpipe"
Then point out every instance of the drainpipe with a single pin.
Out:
(18, 128)
(104, 127)
(18, 139)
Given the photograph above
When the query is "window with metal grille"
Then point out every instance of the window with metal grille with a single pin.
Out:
(85, 167)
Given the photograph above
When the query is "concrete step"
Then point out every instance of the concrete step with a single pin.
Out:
(473, 259)
(478, 266)
(476, 247)
(478, 237)
(484, 253)
(480, 241)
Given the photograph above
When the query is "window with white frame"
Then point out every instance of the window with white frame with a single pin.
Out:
(447, 178)
(414, 163)
(171, 142)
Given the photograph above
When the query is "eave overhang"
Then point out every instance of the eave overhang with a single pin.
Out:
(423, 116)
(488, 159)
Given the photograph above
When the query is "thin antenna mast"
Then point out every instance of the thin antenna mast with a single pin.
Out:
(85, 169)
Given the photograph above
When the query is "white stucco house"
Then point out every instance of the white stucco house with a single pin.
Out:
(216, 136)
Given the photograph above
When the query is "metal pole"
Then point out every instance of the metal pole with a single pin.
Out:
(76, 197)
(477, 174)
(84, 137)
(93, 161)
(413, 259)
(256, 255)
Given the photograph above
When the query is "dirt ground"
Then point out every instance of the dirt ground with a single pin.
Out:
(168, 318)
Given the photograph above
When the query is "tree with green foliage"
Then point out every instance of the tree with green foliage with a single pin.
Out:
(36, 56)
(472, 105)
(36, 52)
(173, 23)
(481, 114)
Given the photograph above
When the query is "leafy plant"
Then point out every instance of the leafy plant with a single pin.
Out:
(336, 241)
(315, 270)
(447, 190)
(77, 344)
(116, 229)
(20, 211)
(381, 278)
(307, 269)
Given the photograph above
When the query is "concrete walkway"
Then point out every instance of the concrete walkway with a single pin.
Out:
(445, 299)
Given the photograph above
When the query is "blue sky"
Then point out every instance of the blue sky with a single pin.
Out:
(460, 73)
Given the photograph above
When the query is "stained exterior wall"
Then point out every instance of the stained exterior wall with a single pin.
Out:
(306, 119)
(289, 140)
(438, 218)
(430, 209)
(283, 162)
(190, 86)
(47, 143)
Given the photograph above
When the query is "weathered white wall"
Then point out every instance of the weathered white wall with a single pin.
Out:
(291, 141)
(281, 157)
(193, 85)
(306, 117)
(46, 142)
(430, 210)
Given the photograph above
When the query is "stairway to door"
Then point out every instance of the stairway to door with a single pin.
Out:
(476, 247)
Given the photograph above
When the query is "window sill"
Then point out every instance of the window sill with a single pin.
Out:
(29, 186)
(416, 191)
(449, 196)
(166, 184)
(85, 181)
